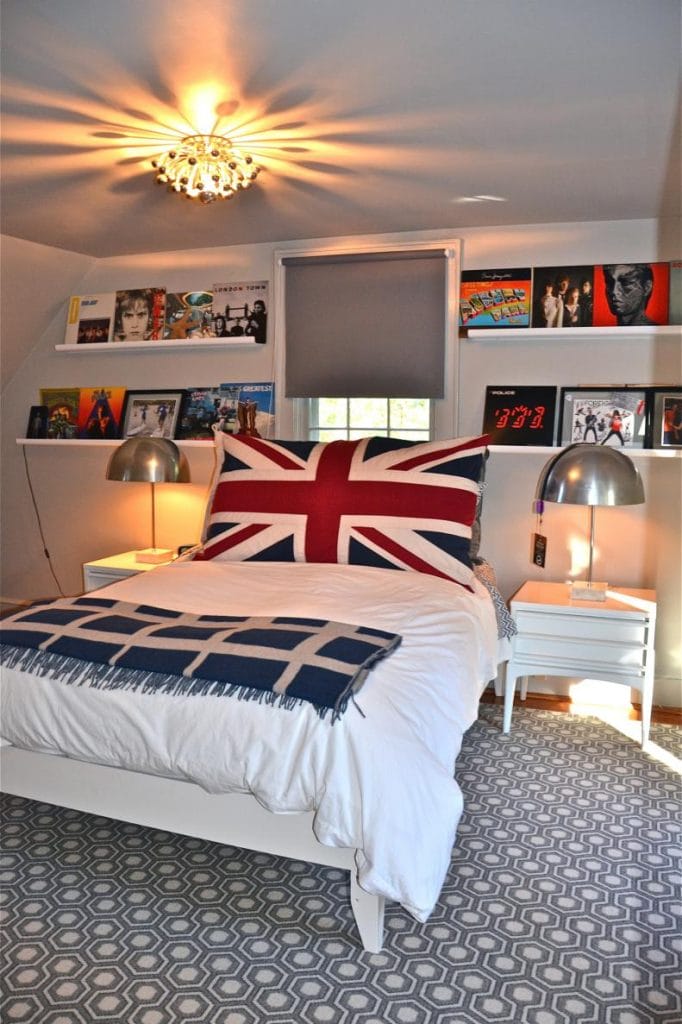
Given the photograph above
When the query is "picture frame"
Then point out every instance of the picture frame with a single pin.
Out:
(151, 413)
(666, 417)
(522, 415)
(36, 427)
(615, 416)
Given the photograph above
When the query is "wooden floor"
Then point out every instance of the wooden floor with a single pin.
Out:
(552, 702)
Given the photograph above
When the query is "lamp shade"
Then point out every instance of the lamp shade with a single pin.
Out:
(590, 474)
(151, 460)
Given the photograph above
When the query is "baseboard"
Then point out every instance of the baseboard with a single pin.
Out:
(561, 702)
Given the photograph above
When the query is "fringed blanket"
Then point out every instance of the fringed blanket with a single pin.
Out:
(112, 644)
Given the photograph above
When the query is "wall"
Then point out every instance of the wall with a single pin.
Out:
(85, 516)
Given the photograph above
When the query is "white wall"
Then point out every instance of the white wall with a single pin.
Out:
(85, 516)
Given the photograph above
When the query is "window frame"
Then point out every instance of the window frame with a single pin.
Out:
(307, 416)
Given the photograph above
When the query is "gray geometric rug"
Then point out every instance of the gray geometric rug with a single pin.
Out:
(563, 905)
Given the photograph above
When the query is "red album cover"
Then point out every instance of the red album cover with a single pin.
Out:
(631, 294)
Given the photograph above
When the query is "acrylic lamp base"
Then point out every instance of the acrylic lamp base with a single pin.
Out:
(582, 590)
(154, 555)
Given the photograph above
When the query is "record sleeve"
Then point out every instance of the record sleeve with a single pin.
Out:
(631, 294)
(90, 319)
(240, 311)
(62, 412)
(522, 415)
(495, 298)
(99, 412)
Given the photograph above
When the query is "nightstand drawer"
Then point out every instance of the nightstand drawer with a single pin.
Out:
(95, 578)
(560, 648)
(631, 630)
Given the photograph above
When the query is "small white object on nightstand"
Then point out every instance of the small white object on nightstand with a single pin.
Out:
(109, 570)
(611, 640)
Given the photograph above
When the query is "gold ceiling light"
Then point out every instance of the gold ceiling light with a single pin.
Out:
(205, 167)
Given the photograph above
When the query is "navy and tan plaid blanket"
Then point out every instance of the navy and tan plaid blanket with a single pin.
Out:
(113, 644)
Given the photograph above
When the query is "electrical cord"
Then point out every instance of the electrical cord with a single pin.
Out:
(40, 525)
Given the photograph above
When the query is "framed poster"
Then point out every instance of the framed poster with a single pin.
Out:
(151, 413)
(631, 294)
(495, 298)
(612, 416)
(666, 417)
(520, 415)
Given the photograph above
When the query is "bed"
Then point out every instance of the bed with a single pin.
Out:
(368, 787)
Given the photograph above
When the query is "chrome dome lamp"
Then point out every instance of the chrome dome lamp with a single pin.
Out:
(590, 474)
(152, 460)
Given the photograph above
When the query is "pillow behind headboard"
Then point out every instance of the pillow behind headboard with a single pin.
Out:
(376, 501)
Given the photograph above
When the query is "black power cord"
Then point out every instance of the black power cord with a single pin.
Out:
(40, 525)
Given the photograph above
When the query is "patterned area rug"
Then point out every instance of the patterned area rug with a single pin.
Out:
(562, 906)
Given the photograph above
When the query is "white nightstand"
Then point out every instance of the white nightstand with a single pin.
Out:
(560, 636)
(116, 567)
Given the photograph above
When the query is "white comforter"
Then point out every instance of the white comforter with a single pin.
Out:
(380, 780)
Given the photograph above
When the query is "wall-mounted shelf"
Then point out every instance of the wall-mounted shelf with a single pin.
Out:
(506, 449)
(159, 346)
(572, 333)
(635, 453)
(84, 442)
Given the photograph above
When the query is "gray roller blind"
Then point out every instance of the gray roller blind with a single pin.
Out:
(366, 325)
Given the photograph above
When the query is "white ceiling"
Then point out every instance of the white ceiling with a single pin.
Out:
(366, 115)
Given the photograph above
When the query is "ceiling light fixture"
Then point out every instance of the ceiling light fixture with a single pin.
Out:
(205, 167)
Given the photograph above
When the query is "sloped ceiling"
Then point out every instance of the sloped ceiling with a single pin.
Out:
(366, 115)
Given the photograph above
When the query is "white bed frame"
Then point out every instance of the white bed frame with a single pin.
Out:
(183, 807)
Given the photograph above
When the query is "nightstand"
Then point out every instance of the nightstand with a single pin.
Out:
(108, 570)
(560, 636)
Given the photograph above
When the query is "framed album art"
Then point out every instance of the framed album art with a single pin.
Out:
(666, 417)
(521, 415)
(603, 415)
(151, 413)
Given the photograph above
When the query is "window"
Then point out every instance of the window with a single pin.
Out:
(332, 419)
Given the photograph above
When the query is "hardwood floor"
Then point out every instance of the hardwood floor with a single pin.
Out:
(552, 702)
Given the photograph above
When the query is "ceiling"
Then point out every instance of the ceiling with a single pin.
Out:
(366, 115)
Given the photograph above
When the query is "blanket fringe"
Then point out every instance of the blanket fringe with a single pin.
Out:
(74, 672)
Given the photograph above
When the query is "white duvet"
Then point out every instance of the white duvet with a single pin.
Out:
(380, 779)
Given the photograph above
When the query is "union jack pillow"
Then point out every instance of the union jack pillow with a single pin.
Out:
(376, 501)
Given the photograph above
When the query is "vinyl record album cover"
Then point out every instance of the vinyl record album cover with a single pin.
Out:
(495, 298)
(90, 319)
(520, 415)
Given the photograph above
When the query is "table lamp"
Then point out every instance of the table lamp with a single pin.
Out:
(590, 474)
(152, 460)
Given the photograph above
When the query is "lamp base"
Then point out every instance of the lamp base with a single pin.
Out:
(581, 590)
(154, 555)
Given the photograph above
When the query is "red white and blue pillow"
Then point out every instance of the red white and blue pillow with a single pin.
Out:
(376, 501)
